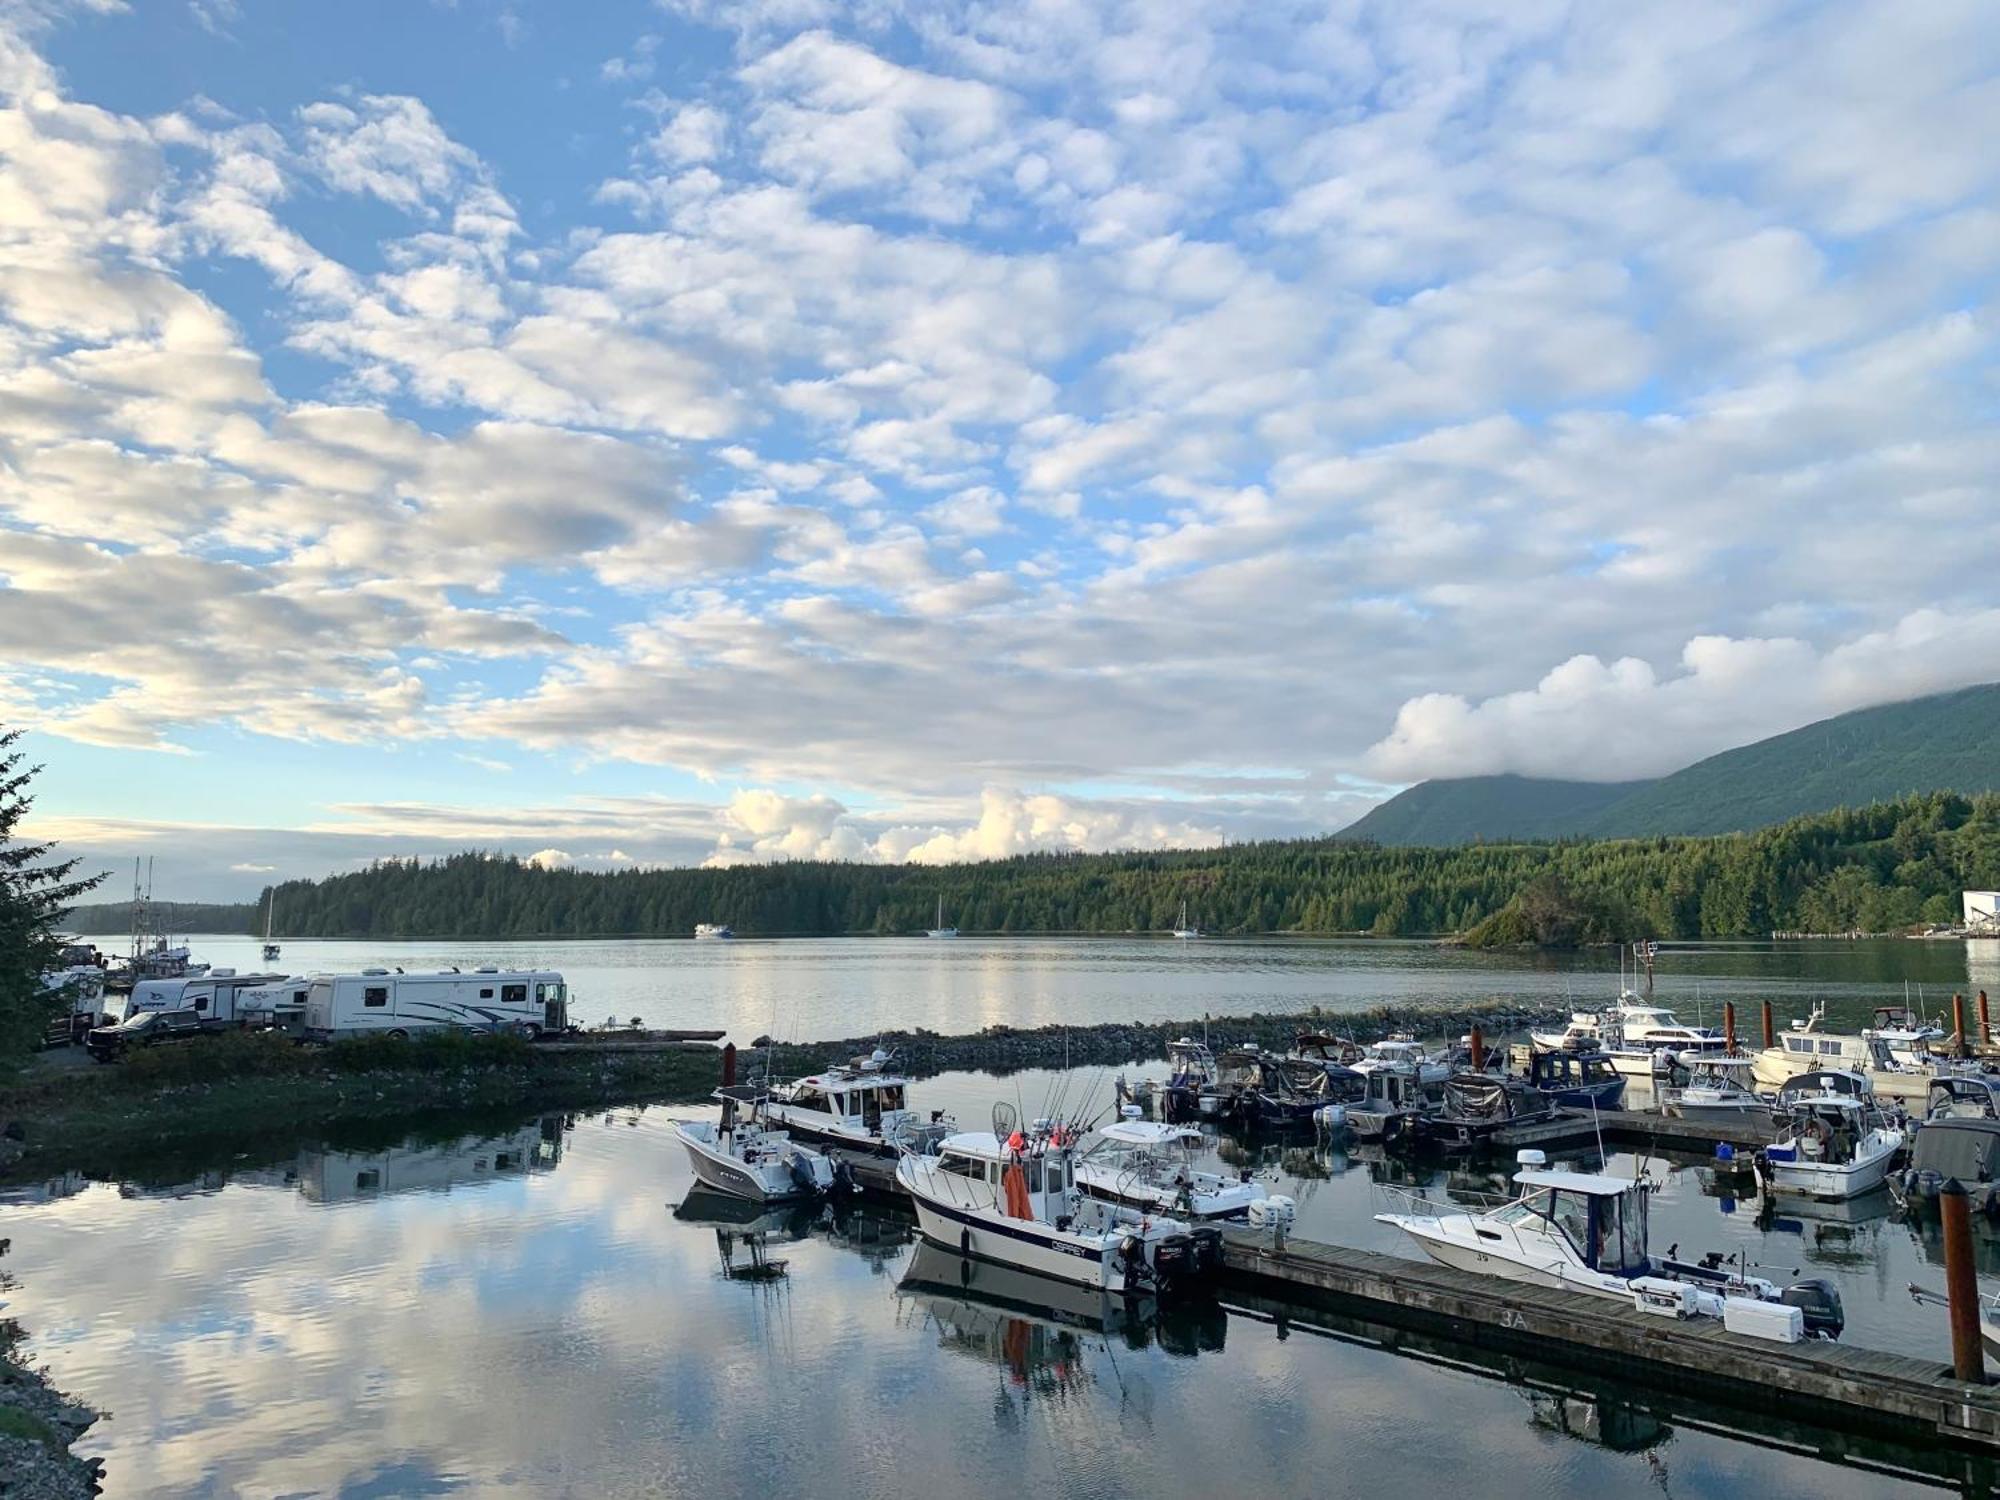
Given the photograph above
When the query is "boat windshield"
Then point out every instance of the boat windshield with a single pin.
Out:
(1534, 1206)
(1621, 1232)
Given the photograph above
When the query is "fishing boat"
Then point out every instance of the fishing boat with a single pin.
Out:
(1010, 1195)
(941, 931)
(1718, 1088)
(1947, 1147)
(1476, 1106)
(862, 1104)
(1299, 1090)
(1152, 1166)
(1402, 1051)
(1394, 1101)
(1963, 1096)
(1640, 1040)
(1895, 1057)
(1585, 1232)
(1577, 1080)
(1833, 1142)
(713, 931)
(1183, 928)
(748, 1160)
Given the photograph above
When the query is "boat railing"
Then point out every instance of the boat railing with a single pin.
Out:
(1416, 1204)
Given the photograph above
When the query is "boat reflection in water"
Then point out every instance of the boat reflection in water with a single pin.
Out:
(1598, 1420)
(744, 1230)
(329, 1176)
(1037, 1328)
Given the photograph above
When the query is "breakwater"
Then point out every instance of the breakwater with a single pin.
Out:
(1006, 1049)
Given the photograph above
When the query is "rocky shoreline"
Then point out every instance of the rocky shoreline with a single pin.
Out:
(37, 1425)
(1007, 1049)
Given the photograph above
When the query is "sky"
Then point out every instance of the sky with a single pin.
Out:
(640, 433)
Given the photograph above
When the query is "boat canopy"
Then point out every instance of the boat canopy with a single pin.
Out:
(1604, 1218)
(1824, 1081)
(1151, 1133)
(1576, 1182)
(1957, 1092)
(1967, 1149)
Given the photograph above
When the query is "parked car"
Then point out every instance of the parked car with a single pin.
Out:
(149, 1028)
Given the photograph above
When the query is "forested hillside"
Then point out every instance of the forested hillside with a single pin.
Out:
(1876, 869)
(1949, 742)
(114, 918)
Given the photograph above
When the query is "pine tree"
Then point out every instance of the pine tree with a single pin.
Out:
(34, 893)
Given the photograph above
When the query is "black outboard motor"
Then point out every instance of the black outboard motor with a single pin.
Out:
(1819, 1301)
(1174, 1261)
(801, 1173)
(1207, 1250)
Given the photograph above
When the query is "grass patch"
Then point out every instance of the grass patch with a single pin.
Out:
(17, 1423)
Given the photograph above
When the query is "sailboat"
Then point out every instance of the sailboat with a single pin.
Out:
(270, 948)
(941, 931)
(1182, 929)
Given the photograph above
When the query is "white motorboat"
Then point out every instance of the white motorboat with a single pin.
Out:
(1718, 1088)
(941, 931)
(1833, 1142)
(1013, 1199)
(746, 1159)
(1584, 1232)
(1149, 1165)
(859, 1104)
(1894, 1060)
(711, 931)
(1405, 1053)
(1641, 1040)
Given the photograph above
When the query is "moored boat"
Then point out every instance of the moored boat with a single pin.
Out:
(1718, 1088)
(1013, 1198)
(1577, 1079)
(862, 1104)
(1833, 1141)
(748, 1160)
(1152, 1166)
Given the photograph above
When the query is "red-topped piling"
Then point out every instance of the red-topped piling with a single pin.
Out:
(1478, 1049)
(1960, 1042)
(1729, 1027)
(1770, 1037)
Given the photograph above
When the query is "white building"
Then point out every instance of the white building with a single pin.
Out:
(1982, 911)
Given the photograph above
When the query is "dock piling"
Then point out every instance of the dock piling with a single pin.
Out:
(1729, 1027)
(1478, 1048)
(1770, 1039)
(1961, 1044)
(1985, 1022)
(1961, 1284)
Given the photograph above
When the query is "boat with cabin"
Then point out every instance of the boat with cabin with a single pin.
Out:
(1641, 1040)
(862, 1104)
(1834, 1142)
(1152, 1166)
(1585, 1232)
(1577, 1080)
(1476, 1106)
(1403, 1051)
(713, 931)
(1965, 1147)
(1395, 1100)
(1010, 1195)
(1719, 1087)
(747, 1159)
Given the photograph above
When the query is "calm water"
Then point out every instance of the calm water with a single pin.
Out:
(522, 1312)
(513, 1307)
(835, 987)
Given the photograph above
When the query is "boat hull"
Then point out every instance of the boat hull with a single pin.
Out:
(1464, 1257)
(1021, 1244)
(1829, 1184)
(1193, 1206)
(716, 1168)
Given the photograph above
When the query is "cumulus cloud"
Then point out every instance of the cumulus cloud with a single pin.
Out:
(1592, 720)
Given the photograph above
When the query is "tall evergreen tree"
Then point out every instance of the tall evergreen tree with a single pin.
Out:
(35, 890)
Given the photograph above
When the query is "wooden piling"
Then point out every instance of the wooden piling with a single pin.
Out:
(1729, 1027)
(1961, 1043)
(1770, 1037)
(1961, 1284)
(1985, 1022)
(1478, 1049)
(728, 1078)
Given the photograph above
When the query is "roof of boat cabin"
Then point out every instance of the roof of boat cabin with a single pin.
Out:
(1149, 1133)
(1576, 1182)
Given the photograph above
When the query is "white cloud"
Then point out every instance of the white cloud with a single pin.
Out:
(551, 859)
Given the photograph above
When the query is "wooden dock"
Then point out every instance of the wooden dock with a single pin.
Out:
(1832, 1383)
(1640, 1127)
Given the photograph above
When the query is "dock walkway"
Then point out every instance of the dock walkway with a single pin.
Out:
(1835, 1381)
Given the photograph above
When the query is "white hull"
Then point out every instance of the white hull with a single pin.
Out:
(1021, 1243)
(769, 1180)
(1231, 1203)
(1696, 1109)
(1462, 1257)
(1829, 1182)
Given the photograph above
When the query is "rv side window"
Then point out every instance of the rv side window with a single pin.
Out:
(513, 994)
(486, 994)
(299, 997)
(375, 995)
(201, 1002)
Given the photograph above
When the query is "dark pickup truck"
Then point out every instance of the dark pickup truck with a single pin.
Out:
(149, 1028)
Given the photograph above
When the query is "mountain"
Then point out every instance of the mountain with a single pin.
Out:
(1947, 742)
(1467, 808)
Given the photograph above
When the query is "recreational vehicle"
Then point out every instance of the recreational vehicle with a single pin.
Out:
(528, 1002)
(215, 994)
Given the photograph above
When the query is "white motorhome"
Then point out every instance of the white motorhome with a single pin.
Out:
(217, 994)
(384, 1002)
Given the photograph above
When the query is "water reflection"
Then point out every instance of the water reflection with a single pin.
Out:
(514, 1308)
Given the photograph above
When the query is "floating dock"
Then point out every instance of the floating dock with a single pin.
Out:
(1911, 1400)
(1630, 1126)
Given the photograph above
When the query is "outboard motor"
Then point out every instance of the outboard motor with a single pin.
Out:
(802, 1172)
(1207, 1250)
(1819, 1301)
(1174, 1261)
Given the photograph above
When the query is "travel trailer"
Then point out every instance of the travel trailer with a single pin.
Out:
(381, 1002)
(216, 995)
